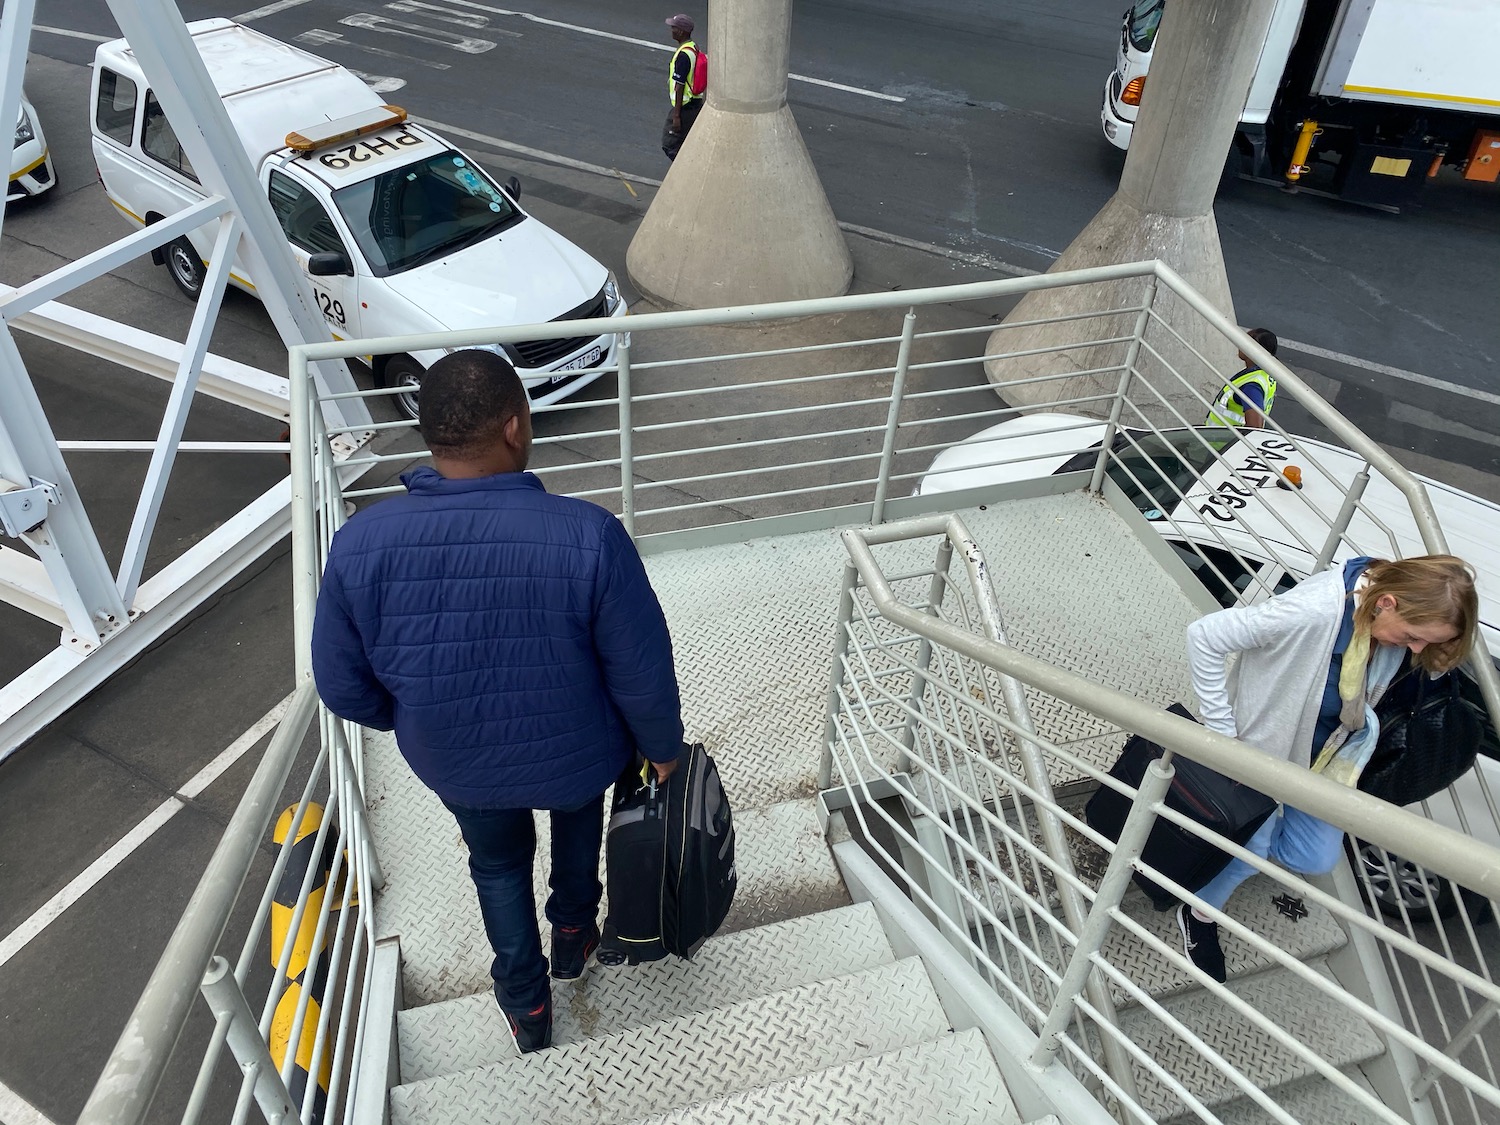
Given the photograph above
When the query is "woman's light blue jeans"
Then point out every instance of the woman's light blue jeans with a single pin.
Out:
(1297, 841)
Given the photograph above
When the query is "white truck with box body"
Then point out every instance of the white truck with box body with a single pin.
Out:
(398, 230)
(1365, 100)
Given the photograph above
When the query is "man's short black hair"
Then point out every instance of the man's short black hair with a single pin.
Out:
(1264, 337)
(465, 400)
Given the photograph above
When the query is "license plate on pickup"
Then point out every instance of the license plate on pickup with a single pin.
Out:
(577, 363)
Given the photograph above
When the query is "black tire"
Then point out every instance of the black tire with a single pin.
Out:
(1410, 887)
(403, 371)
(185, 267)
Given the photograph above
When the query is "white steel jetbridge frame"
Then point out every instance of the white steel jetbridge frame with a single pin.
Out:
(51, 562)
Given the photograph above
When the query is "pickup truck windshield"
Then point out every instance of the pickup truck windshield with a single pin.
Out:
(1142, 22)
(423, 211)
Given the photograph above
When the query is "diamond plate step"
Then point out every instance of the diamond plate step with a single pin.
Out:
(1312, 937)
(689, 1059)
(1313, 1100)
(785, 870)
(464, 1034)
(1325, 1026)
(951, 1080)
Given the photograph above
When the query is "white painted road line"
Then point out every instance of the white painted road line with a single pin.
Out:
(318, 37)
(534, 153)
(1395, 372)
(656, 46)
(91, 875)
(16, 1110)
(70, 33)
(268, 10)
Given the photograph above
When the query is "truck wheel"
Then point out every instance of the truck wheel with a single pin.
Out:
(185, 267)
(405, 372)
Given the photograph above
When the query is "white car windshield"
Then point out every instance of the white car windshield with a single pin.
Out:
(423, 211)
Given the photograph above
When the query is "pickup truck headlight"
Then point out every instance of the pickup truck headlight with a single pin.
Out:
(612, 293)
(24, 131)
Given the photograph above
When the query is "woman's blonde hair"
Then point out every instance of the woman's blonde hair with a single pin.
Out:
(1429, 590)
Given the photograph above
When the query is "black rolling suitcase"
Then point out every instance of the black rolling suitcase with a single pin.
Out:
(669, 861)
(1229, 808)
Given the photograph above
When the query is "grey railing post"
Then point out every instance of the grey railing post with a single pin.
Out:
(1341, 521)
(1112, 889)
(893, 416)
(627, 438)
(1096, 481)
(937, 591)
(354, 805)
(836, 676)
(1457, 1045)
(226, 1000)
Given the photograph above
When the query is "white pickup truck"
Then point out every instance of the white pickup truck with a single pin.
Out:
(398, 230)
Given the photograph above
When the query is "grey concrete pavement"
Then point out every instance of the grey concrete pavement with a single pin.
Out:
(90, 779)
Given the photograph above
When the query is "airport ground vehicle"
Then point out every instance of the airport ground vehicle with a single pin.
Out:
(31, 171)
(397, 230)
(1365, 100)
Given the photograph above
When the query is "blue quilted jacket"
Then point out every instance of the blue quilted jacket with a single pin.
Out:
(509, 637)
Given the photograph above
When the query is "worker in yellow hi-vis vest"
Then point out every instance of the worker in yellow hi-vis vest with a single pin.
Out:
(1246, 399)
(683, 80)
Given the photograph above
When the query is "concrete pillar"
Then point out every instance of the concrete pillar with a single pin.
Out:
(742, 216)
(1201, 68)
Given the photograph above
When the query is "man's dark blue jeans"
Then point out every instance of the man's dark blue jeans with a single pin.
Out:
(502, 844)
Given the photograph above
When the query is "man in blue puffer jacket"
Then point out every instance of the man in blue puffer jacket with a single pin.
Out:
(512, 641)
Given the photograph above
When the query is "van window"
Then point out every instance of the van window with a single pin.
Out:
(302, 217)
(114, 113)
(159, 142)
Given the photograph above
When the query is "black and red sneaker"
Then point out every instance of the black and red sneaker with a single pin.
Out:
(533, 1029)
(572, 946)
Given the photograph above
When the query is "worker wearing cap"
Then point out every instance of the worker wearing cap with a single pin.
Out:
(1246, 399)
(685, 104)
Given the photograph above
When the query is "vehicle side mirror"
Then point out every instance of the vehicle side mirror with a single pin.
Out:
(330, 263)
(513, 188)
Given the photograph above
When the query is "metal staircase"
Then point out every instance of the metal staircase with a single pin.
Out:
(908, 710)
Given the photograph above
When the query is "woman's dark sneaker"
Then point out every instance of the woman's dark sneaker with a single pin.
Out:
(533, 1030)
(572, 946)
(1200, 940)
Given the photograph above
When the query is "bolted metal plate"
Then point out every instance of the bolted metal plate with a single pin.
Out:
(949, 1081)
(1330, 1030)
(692, 1058)
(785, 870)
(464, 1034)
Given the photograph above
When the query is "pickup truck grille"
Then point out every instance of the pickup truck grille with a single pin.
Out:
(541, 353)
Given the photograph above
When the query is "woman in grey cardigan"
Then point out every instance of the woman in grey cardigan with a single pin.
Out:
(1312, 663)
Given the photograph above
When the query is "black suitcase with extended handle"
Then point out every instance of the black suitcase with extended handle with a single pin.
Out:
(1229, 808)
(669, 860)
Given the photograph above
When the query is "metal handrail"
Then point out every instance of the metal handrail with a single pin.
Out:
(123, 1093)
(1436, 848)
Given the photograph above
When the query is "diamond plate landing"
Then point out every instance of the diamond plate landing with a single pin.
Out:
(690, 1059)
(465, 1034)
(950, 1081)
(753, 626)
(1328, 1028)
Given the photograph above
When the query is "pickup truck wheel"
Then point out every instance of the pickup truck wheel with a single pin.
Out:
(185, 267)
(405, 372)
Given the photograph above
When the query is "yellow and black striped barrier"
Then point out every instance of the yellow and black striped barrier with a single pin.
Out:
(304, 956)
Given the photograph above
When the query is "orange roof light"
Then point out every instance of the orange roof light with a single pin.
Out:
(1131, 95)
(343, 128)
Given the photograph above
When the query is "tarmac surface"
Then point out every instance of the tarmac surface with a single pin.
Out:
(134, 747)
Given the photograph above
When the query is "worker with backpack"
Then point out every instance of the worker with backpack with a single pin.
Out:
(687, 85)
